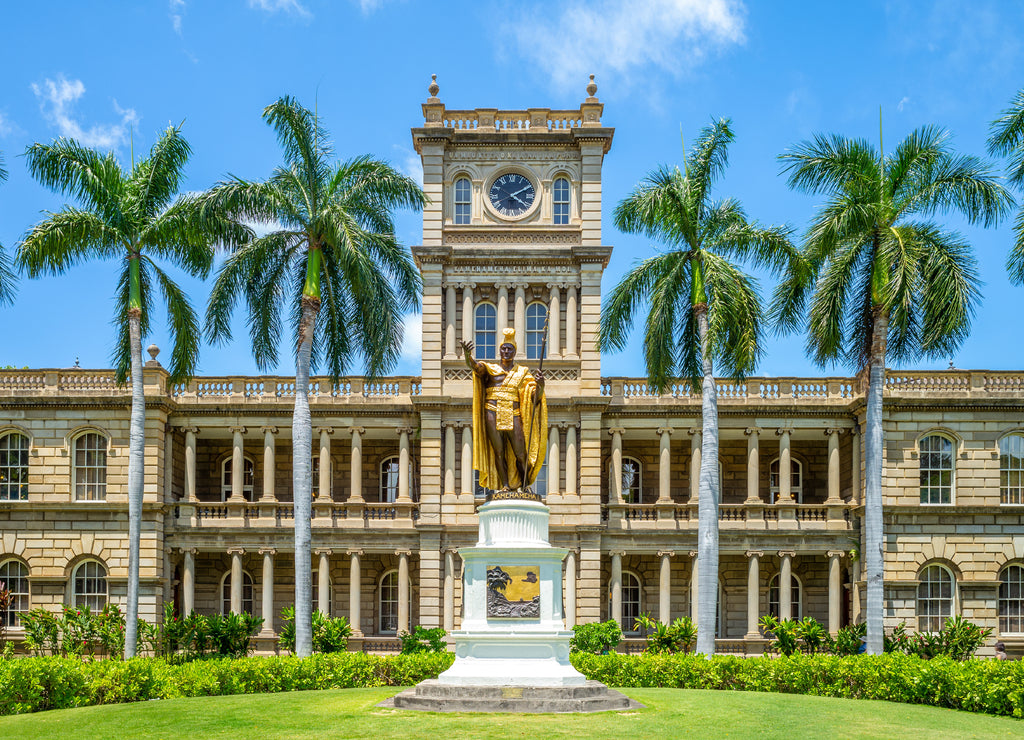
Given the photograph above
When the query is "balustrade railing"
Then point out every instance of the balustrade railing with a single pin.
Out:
(728, 389)
(486, 120)
(740, 513)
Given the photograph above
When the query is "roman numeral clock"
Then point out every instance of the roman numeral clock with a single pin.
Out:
(512, 195)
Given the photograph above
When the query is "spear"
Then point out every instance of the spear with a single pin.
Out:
(540, 369)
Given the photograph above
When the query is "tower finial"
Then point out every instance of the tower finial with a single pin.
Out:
(433, 89)
(592, 87)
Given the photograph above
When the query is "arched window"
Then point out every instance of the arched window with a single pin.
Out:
(90, 464)
(630, 601)
(486, 331)
(936, 453)
(247, 591)
(463, 207)
(934, 598)
(796, 480)
(1011, 600)
(773, 597)
(1011, 469)
(316, 593)
(13, 467)
(389, 602)
(536, 313)
(14, 576)
(89, 586)
(632, 481)
(248, 474)
(560, 201)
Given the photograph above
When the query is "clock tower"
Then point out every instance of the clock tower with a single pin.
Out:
(512, 238)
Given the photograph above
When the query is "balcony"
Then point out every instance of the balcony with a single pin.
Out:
(281, 515)
(746, 516)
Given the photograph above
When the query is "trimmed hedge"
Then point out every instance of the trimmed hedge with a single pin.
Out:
(35, 684)
(987, 686)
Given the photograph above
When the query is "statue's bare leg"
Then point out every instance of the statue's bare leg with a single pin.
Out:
(498, 445)
(519, 448)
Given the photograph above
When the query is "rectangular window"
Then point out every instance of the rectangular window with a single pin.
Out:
(91, 467)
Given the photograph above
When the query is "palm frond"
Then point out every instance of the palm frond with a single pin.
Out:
(831, 164)
(662, 207)
(1015, 260)
(183, 326)
(304, 141)
(626, 298)
(829, 318)
(71, 169)
(916, 153)
(708, 160)
(155, 180)
(121, 357)
(8, 280)
(734, 316)
(66, 239)
(670, 302)
(961, 184)
(1006, 137)
(187, 232)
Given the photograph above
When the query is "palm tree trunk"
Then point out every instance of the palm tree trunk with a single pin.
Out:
(873, 437)
(707, 502)
(136, 463)
(302, 451)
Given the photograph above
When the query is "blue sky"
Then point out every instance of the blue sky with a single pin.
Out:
(115, 72)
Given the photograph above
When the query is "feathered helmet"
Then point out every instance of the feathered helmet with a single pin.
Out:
(509, 335)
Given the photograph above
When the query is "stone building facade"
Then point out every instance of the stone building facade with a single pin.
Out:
(394, 491)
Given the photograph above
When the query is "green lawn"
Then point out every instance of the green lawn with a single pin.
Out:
(351, 713)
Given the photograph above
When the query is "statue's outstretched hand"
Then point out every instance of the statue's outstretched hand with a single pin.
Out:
(467, 347)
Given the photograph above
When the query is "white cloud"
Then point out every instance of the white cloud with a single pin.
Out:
(410, 163)
(177, 12)
(412, 342)
(368, 6)
(623, 37)
(286, 6)
(903, 102)
(6, 127)
(57, 100)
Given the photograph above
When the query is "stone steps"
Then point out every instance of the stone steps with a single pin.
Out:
(432, 696)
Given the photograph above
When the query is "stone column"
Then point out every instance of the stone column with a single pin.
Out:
(695, 442)
(616, 481)
(168, 464)
(269, 463)
(403, 465)
(753, 593)
(236, 579)
(502, 320)
(323, 490)
(554, 460)
(237, 463)
(323, 573)
(571, 467)
(570, 589)
(466, 475)
(665, 466)
(450, 348)
(519, 318)
(554, 322)
(855, 470)
(833, 466)
(665, 587)
(785, 469)
(190, 463)
(694, 595)
(753, 465)
(449, 590)
(786, 585)
(835, 590)
(267, 600)
(570, 322)
(449, 456)
(355, 582)
(403, 590)
(188, 582)
(467, 312)
(615, 586)
(356, 473)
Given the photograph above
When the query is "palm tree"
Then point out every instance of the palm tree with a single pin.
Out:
(882, 281)
(6, 274)
(702, 309)
(128, 216)
(1006, 139)
(335, 264)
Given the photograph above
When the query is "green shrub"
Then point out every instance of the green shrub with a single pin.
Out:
(958, 639)
(330, 634)
(677, 637)
(847, 640)
(783, 632)
(598, 638)
(423, 640)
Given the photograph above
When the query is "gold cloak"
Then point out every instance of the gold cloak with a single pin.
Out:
(535, 428)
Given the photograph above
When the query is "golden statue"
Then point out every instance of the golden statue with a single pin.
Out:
(510, 422)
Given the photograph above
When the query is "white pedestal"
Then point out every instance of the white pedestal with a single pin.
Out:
(512, 652)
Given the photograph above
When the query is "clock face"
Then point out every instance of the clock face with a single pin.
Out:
(512, 195)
